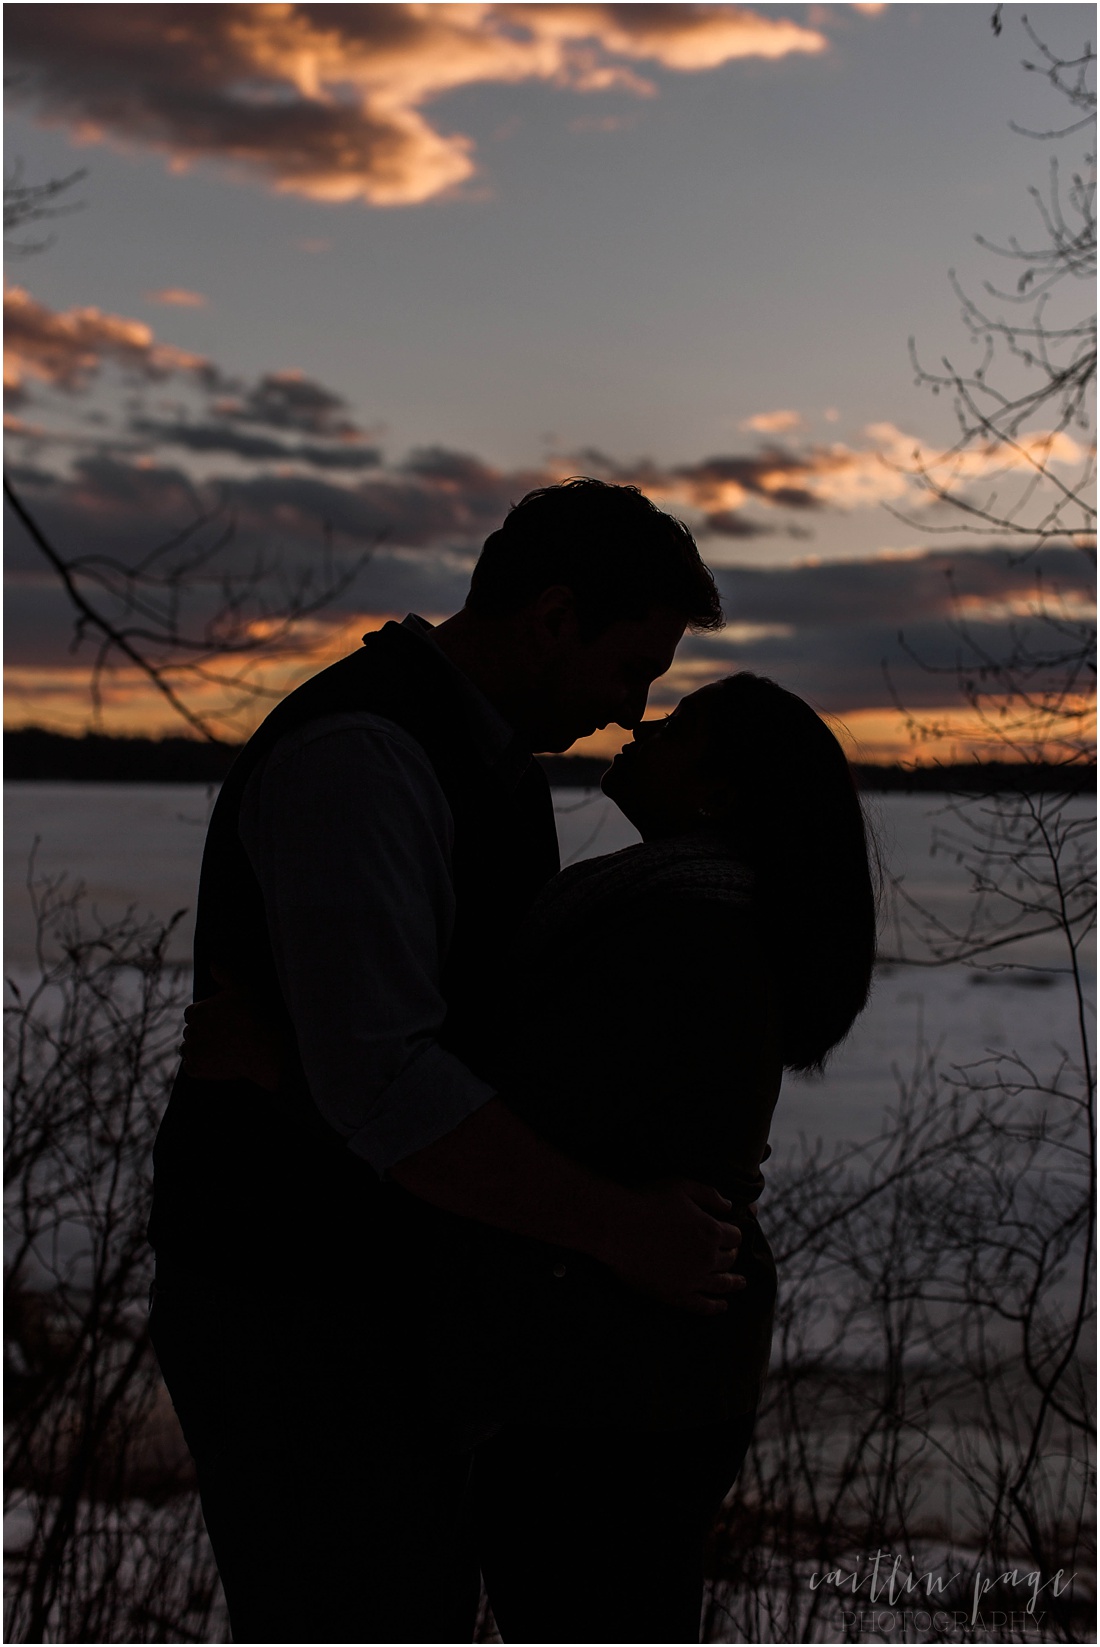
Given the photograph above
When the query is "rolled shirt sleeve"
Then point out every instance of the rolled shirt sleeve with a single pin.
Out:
(349, 834)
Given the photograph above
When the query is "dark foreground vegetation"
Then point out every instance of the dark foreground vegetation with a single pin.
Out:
(924, 1464)
(34, 755)
(931, 1387)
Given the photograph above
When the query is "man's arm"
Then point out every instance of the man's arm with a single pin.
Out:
(349, 835)
(671, 1242)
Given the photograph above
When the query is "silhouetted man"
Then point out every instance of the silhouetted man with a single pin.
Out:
(370, 856)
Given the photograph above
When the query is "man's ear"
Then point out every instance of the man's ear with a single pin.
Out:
(554, 616)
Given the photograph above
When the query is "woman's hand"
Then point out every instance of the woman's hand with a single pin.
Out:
(228, 1038)
(674, 1243)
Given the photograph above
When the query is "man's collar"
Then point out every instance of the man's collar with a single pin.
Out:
(500, 745)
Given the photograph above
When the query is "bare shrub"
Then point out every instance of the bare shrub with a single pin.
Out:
(105, 1540)
(931, 1393)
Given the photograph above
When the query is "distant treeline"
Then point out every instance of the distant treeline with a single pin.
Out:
(34, 755)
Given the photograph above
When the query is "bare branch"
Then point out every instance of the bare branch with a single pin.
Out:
(252, 618)
(31, 203)
(996, 414)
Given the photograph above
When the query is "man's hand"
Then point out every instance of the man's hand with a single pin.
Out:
(673, 1243)
(228, 1038)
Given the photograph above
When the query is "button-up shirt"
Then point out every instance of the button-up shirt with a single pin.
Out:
(350, 835)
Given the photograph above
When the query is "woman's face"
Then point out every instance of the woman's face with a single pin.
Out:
(665, 781)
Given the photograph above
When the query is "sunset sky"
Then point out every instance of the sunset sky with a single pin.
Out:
(385, 268)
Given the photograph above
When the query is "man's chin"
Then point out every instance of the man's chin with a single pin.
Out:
(559, 743)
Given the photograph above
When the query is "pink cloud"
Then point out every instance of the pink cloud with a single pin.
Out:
(67, 349)
(772, 423)
(327, 101)
(738, 494)
(802, 478)
(176, 297)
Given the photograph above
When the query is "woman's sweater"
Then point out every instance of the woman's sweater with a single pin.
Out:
(641, 1040)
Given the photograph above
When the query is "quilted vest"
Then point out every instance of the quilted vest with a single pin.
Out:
(249, 1186)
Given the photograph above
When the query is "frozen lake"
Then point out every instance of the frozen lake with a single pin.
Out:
(140, 845)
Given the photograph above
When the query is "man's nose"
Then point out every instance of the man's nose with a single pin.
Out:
(632, 709)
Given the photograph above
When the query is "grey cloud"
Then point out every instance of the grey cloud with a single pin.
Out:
(38, 619)
(480, 494)
(434, 499)
(107, 506)
(437, 500)
(756, 473)
(823, 630)
(338, 457)
(718, 485)
(727, 523)
(67, 349)
(38, 622)
(833, 632)
(860, 667)
(290, 400)
(440, 463)
(28, 474)
(221, 437)
(896, 591)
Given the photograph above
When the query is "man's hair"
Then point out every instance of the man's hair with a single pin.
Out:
(619, 554)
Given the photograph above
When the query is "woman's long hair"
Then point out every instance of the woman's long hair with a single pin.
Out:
(798, 821)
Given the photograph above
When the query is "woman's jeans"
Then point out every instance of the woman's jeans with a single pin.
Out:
(599, 1535)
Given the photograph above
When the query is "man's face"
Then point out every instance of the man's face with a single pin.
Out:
(606, 680)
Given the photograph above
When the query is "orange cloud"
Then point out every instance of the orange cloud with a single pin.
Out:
(837, 476)
(684, 37)
(772, 423)
(824, 629)
(947, 734)
(1029, 451)
(67, 349)
(176, 297)
(327, 101)
(58, 699)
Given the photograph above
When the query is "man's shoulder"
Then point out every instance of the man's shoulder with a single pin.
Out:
(327, 765)
(347, 734)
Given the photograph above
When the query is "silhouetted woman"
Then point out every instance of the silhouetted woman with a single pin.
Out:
(659, 993)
